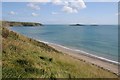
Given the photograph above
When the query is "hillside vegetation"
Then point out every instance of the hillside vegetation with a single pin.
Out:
(26, 58)
(0, 49)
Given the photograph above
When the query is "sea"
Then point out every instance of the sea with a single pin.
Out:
(100, 41)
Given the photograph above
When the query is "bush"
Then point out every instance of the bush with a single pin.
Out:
(34, 70)
(22, 62)
(5, 33)
(46, 58)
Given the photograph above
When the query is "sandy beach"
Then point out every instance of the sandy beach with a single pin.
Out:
(112, 67)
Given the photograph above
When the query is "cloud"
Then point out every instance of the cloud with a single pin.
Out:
(57, 2)
(79, 4)
(33, 6)
(54, 13)
(70, 6)
(12, 13)
(34, 14)
(69, 9)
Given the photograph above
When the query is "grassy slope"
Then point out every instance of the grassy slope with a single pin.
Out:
(26, 58)
(0, 50)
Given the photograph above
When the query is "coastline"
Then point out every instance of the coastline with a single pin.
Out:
(106, 64)
(41, 56)
(101, 62)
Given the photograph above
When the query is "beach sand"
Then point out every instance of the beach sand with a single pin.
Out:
(112, 67)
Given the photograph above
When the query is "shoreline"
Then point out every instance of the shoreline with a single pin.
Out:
(101, 62)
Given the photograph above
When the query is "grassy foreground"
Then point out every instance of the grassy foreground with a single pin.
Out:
(26, 58)
(0, 49)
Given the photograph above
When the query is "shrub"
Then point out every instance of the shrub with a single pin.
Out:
(22, 62)
(46, 58)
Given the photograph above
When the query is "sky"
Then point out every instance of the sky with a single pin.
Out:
(62, 12)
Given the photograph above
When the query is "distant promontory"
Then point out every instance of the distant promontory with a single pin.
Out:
(13, 23)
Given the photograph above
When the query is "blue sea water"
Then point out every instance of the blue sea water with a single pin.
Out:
(99, 40)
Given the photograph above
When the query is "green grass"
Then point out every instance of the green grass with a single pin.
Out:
(0, 49)
(23, 57)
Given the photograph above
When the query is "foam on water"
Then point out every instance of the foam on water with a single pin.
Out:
(82, 52)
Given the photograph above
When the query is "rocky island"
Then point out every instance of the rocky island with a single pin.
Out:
(77, 25)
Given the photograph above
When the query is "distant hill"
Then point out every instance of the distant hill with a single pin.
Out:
(12, 23)
(77, 25)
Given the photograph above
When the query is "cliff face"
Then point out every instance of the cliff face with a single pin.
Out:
(10, 23)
